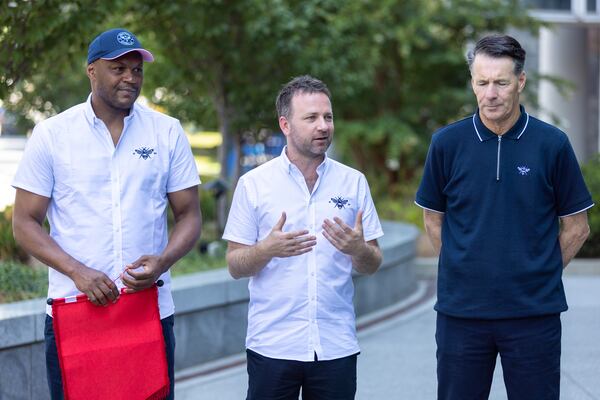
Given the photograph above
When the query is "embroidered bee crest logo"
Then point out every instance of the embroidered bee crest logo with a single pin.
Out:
(144, 152)
(339, 202)
(523, 170)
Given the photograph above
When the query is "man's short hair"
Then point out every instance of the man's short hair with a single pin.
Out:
(300, 84)
(499, 46)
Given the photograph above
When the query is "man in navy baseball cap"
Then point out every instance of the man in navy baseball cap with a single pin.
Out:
(129, 156)
(113, 44)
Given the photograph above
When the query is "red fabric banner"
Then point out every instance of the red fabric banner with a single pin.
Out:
(113, 352)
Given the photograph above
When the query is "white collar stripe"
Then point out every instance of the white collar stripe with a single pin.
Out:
(525, 127)
(476, 130)
(518, 137)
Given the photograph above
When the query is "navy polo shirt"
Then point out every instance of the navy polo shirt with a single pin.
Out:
(501, 197)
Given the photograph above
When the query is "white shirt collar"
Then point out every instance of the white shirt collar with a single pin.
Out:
(289, 166)
(92, 118)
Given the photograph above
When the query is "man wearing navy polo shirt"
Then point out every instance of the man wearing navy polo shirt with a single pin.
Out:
(504, 204)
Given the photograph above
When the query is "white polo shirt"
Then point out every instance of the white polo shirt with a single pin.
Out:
(108, 205)
(301, 305)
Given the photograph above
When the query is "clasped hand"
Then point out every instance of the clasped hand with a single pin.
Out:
(137, 279)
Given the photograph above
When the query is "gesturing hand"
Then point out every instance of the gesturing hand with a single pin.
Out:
(286, 244)
(344, 238)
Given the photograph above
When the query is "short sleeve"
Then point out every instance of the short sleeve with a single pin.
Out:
(371, 224)
(570, 192)
(242, 225)
(430, 194)
(35, 172)
(182, 169)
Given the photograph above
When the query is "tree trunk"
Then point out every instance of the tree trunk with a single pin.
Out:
(228, 152)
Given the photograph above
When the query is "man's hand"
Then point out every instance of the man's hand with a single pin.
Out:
(344, 238)
(366, 256)
(139, 279)
(98, 287)
(286, 244)
(244, 260)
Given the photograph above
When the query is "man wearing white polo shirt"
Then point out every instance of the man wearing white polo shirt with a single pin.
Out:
(297, 227)
(104, 172)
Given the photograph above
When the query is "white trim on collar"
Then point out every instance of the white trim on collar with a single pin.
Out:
(518, 136)
(476, 130)
(525, 127)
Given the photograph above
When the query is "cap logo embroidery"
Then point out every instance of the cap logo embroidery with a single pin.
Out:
(523, 170)
(339, 202)
(144, 153)
(125, 39)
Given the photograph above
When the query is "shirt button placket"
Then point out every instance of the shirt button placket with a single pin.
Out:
(314, 342)
(116, 215)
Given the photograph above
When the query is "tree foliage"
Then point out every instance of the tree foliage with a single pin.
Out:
(43, 47)
(418, 77)
(396, 68)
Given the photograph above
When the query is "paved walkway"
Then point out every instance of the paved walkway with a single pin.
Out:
(398, 353)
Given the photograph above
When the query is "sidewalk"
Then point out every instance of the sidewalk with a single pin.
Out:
(398, 352)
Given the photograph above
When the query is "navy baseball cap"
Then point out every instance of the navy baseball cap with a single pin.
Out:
(113, 44)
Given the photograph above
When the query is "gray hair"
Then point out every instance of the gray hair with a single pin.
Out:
(300, 84)
(499, 46)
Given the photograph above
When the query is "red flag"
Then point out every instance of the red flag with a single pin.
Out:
(113, 352)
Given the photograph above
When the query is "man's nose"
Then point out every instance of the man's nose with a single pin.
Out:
(323, 124)
(491, 91)
(128, 76)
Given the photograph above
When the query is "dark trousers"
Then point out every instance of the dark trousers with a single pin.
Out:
(529, 350)
(275, 379)
(53, 368)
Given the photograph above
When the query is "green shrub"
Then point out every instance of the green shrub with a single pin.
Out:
(9, 250)
(396, 202)
(196, 262)
(21, 282)
(591, 173)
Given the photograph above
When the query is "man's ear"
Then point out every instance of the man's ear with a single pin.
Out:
(91, 71)
(522, 80)
(284, 125)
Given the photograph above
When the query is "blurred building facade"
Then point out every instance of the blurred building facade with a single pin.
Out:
(569, 49)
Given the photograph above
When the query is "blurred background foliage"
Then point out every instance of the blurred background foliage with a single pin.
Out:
(591, 174)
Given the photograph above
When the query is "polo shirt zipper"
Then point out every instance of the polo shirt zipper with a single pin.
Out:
(498, 159)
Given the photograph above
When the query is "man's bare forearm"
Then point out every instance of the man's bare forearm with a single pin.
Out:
(433, 227)
(368, 260)
(183, 237)
(574, 232)
(32, 237)
(245, 261)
